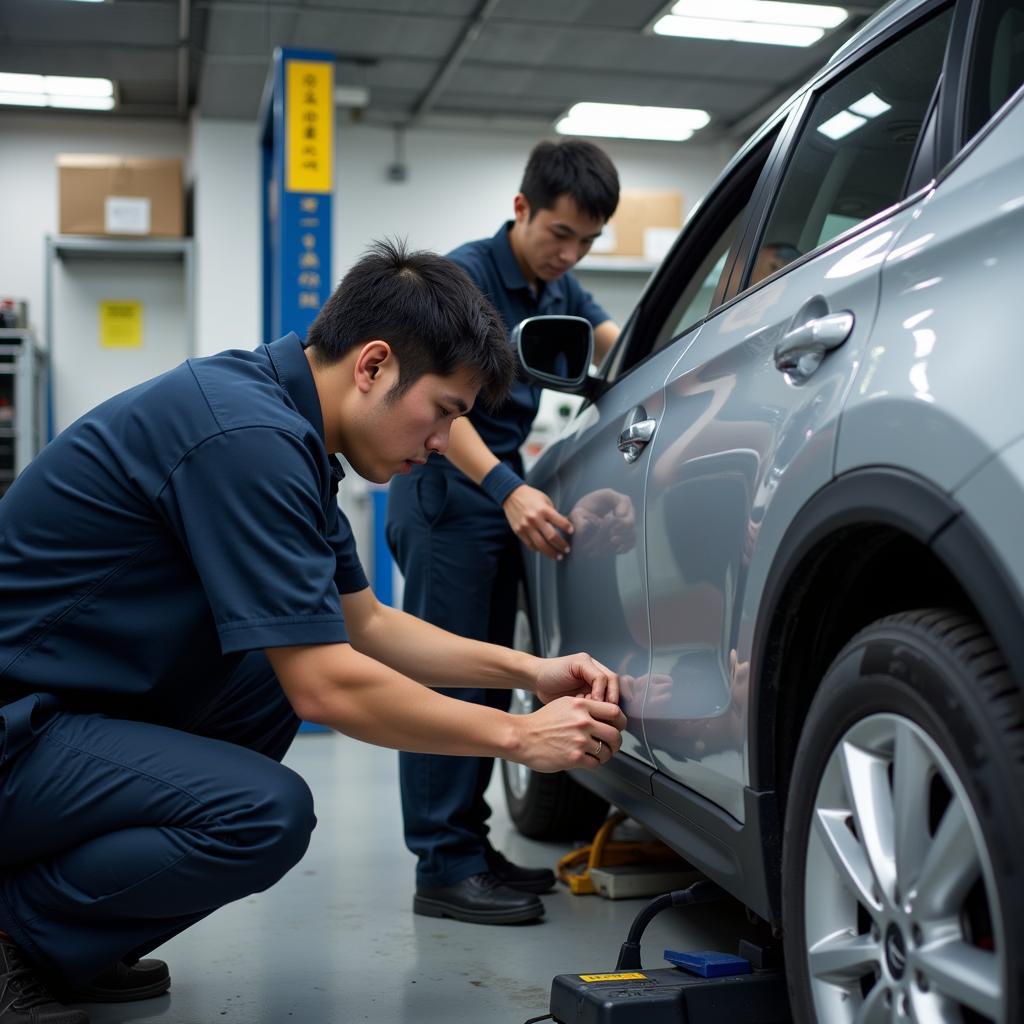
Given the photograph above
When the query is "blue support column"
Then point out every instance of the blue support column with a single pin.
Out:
(383, 564)
(297, 163)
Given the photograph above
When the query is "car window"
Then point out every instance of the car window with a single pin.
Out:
(695, 302)
(688, 284)
(853, 153)
(996, 65)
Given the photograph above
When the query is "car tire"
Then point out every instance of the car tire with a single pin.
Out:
(548, 805)
(541, 805)
(902, 879)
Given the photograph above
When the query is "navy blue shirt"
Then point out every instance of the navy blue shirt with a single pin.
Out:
(179, 524)
(492, 265)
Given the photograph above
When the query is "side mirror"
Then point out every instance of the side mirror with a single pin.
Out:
(555, 351)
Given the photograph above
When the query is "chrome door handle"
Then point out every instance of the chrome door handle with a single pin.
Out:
(802, 349)
(633, 439)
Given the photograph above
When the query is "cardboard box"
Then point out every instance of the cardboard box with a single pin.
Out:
(644, 225)
(129, 196)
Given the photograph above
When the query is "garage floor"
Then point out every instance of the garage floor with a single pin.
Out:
(335, 942)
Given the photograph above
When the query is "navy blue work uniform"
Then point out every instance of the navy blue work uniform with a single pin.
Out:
(147, 557)
(462, 567)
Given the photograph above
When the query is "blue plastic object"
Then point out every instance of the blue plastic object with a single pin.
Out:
(709, 965)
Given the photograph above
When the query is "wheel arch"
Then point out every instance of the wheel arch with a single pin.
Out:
(872, 542)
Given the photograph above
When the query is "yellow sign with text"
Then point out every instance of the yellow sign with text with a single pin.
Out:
(120, 324)
(622, 976)
(309, 116)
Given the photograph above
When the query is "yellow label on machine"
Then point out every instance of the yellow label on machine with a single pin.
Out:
(628, 976)
(309, 138)
(120, 324)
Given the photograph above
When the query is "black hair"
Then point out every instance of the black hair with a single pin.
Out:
(427, 309)
(575, 168)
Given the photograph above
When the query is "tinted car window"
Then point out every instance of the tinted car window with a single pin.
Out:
(687, 285)
(695, 302)
(996, 68)
(853, 154)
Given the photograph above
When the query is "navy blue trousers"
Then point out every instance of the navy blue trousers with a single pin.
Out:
(115, 835)
(462, 567)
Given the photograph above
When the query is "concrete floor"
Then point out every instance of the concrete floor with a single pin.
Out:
(336, 942)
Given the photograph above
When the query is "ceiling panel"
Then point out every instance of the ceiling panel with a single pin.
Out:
(424, 61)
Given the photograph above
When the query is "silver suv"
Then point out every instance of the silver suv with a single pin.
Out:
(798, 491)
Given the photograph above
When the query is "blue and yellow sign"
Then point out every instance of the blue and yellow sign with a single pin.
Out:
(298, 173)
(309, 88)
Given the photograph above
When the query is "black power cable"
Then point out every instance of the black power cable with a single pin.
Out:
(699, 892)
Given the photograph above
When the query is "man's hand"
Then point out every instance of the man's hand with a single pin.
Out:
(604, 523)
(570, 732)
(575, 675)
(536, 521)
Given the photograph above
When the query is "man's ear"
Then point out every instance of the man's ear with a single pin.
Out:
(521, 208)
(374, 360)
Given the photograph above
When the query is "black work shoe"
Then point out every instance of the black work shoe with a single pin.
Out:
(24, 999)
(515, 877)
(124, 983)
(479, 899)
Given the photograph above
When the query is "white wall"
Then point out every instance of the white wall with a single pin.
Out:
(225, 158)
(459, 187)
(461, 183)
(29, 144)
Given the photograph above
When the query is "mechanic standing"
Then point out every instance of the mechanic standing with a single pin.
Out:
(454, 525)
(179, 585)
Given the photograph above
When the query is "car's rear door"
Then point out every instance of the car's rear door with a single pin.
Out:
(747, 427)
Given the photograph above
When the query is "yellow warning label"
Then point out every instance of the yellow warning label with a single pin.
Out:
(613, 977)
(309, 134)
(120, 324)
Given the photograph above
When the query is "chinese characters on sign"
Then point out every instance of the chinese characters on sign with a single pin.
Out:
(310, 115)
(298, 142)
(307, 149)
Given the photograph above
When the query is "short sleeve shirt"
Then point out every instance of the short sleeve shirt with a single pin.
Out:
(492, 265)
(176, 526)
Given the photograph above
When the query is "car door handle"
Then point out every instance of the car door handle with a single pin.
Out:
(633, 439)
(802, 349)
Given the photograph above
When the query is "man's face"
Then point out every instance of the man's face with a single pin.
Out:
(555, 240)
(399, 432)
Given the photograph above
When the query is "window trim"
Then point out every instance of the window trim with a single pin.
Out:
(923, 164)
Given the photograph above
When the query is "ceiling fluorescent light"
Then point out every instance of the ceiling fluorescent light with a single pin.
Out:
(626, 121)
(355, 96)
(82, 102)
(61, 85)
(750, 21)
(738, 31)
(870, 106)
(842, 124)
(764, 12)
(21, 83)
(56, 91)
(22, 99)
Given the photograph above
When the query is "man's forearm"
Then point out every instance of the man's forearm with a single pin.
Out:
(337, 686)
(468, 451)
(436, 657)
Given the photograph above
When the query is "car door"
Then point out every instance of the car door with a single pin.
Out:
(747, 424)
(596, 598)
